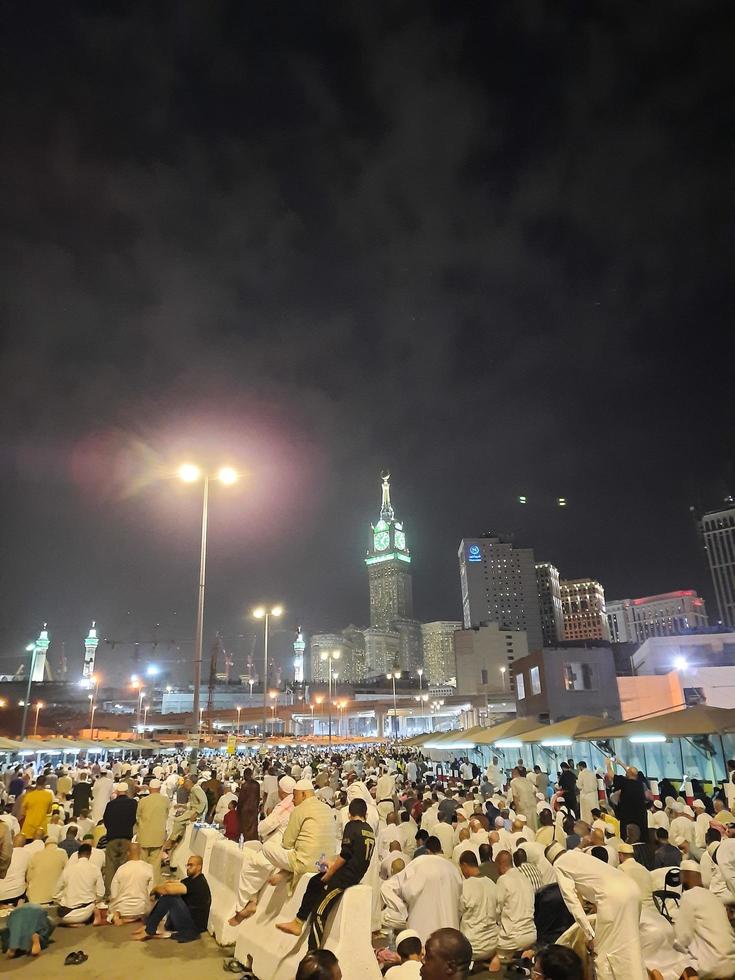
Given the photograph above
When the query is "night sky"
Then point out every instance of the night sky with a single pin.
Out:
(486, 246)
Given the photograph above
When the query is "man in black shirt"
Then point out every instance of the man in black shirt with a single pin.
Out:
(185, 902)
(119, 821)
(81, 794)
(348, 868)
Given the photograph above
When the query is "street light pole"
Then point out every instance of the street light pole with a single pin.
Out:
(330, 655)
(393, 676)
(199, 634)
(39, 705)
(31, 648)
(420, 672)
(239, 709)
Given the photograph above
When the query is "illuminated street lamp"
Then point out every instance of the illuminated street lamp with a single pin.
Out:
(91, 721)
(394, 675)
(502, 673)
(262, 612)
(312, 718)
(330, 656)
(38, 705)
(239, 709)
(145, 715)
(191, 473)
(420, 672)
(251, 682)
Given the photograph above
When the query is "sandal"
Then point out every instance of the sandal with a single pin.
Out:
(74, 959)
(233, 966)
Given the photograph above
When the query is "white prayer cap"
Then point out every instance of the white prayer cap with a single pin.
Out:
(521, 818)
(154, 784)
(688, 811)
(626, 848)
(406, 934)
(121, 787)
(542, 806)
(678, 807)
(658, 804)
(599, 825)
(670, 800)
(287, 784)
(305, 786)
(700, 804)
(690, 866)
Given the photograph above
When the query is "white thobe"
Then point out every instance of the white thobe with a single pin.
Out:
(643, 879)
(387, 862)
(587, 786)
(657, 943)
(514, 914)
(726, 862)
(617, 941)
(425, 896)
(446, 838)
(477, 916)
(384, 792)
(536, 854)
(701, 826)
(681, 827)
(14, 882)
(465, 845)
(130, 889)
(276, 821)
(495, 776)
(430, 818)
(269, 792)
(386, 835)
(660, 820)
(702, 930)
(407, 835)
(223, 804)
(101, 795)
(80, 887)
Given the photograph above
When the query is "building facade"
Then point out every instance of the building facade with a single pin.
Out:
(583, 609)
(440, 662)
(498, 585)
(668, 614)
(382, 651)
(549, 600)
(661, 654)
(389, 567)
(323, 643)
(485, 658)
(563, 682)
(718, 535)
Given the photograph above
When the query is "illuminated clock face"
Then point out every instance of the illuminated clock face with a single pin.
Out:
(382, 540)
(400, 540)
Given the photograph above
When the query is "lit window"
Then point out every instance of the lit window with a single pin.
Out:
(535, 680)
(520, 687)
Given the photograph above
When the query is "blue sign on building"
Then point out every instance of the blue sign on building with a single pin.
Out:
(474, 553)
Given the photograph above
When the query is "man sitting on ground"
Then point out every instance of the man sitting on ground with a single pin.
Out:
(408, 947)
(80, 889)
(185, 902)
(130, 888)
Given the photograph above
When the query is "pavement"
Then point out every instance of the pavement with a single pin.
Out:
(114, 956)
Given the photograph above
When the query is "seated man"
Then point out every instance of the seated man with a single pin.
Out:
(478, 908)
(309, 835)
(13, 885)
(80, 889)
(44, 872)
(195, 809)
(409, 949)
(347, 869)
(515, 911)
(130, 889)
(186, 903)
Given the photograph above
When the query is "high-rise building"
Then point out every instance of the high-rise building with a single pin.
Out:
(356, 662)
(321, 643)
(90, 649)
(440, 662)
(391, 593)
(718, 535)
(389, 567)
(485, 659)
(668, 614)
(498, 583)
(583, 607)
(549, 600)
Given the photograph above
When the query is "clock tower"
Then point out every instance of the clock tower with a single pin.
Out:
(389, 567)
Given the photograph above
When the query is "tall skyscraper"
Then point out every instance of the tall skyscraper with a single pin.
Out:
(323, 642)
(498, 583)
(718, 534)
(669, 614)
(391, 594)
(440, 661)
(583, 605)
(389, 567)
(549, 599)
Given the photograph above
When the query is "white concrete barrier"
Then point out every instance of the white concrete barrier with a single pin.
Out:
(181, 852)
(225, 862)
(202, 841)
(276, 955)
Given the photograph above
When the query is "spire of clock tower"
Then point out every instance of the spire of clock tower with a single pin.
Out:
(386, 508)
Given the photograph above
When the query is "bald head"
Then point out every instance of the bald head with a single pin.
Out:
(134, 852)
(398, 865)
(392, 817)
(503, 862)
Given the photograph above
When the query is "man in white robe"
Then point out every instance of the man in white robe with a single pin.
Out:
(514, 911)
(702, 929)
(277, 820)
(101, 796)
(587, 786)
(385, 793)
(615, 936)
(130, 889)
(478, 908)
(425, 896)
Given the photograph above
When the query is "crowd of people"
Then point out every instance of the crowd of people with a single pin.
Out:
(564, 874)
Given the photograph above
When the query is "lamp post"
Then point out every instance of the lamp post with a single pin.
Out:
(394, 675)
(91, 721)
(422, 699)
(320, 701)
(312, 717)
(251, 682)
(502, 674)
(38, 706)
(265, 614)
(330, 656)
(420, 672)
(239, 709)
(190, 473)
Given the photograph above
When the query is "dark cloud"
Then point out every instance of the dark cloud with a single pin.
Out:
(487, 245)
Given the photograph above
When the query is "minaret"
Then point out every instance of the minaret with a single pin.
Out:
(40, 649)
(298, 657)
(90, 649)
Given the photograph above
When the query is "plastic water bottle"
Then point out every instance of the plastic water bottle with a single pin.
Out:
(241, 841)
